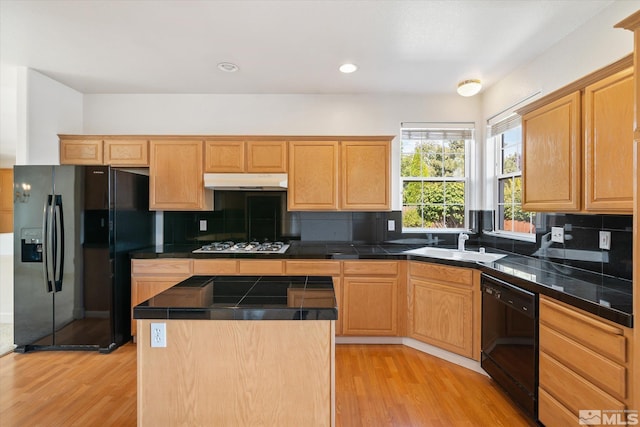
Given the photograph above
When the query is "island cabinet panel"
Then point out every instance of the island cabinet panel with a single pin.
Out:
(608, 114)
(584, 363)
(176, 176)
(81, 152)
(126, 152)
(313, 175)
(254, 373)
(444, 307)
(364, 175)
(552, 156)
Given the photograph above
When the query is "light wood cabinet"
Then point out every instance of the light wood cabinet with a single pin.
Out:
(126, 152)
(364, 175)
(551, 169)
(81, 152)
(578, 148)
(583, 363)
(608, 143)
(103, 150)
(444, 307)
(313, 175)
(176, 176)
(370, 298)
(149, 277)
(349, 175)
(6, 200)
(253, 156)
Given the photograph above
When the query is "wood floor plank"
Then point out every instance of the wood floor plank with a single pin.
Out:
(376, 385)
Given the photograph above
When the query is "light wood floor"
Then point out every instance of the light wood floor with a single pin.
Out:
(376, 385)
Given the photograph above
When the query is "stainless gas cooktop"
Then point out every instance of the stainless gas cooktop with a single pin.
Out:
(243, 247)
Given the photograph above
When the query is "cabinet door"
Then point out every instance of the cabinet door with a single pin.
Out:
(313, 175)
(551, 167)
(266, 156)
(442, 315)
(225, 156)
(176, 176)
(6, 200)
(81, 152)
(370, 306)
(609, 144)
(126, 152)
(364, 178)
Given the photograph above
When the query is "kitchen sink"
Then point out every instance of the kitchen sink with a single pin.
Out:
(454, 254)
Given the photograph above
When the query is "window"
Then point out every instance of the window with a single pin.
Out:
(433, 174)
(510, 217)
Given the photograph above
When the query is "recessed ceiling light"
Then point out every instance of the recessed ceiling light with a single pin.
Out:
(348, 68)
(469, 87)
(228, 67)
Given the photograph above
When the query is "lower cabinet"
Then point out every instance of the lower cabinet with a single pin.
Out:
(149, 277)
(370, 298)
(444, 307)
(583, 365)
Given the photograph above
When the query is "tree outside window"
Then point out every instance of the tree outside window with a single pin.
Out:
(433, 175)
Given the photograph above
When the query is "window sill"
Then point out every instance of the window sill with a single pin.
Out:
(512, 236)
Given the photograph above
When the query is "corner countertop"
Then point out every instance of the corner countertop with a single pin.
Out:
(244, 298)
(605, 296)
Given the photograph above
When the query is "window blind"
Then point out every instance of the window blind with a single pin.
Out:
(418, 133)
(508, 123)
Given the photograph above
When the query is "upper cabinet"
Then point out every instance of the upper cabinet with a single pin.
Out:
(251, 156)
(350, 175)
(608, 131)
(114, 151)
(176, 176)
(578, 146)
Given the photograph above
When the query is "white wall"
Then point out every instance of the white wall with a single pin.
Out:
(274, 115)
(42, 108)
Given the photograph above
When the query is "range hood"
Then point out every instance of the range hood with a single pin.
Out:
(246, 181)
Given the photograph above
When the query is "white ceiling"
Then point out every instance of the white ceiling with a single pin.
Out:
(294, 46)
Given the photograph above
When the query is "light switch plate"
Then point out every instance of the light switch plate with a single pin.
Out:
(605, 240)
(203, 225)
(557, 234)
(391, 225)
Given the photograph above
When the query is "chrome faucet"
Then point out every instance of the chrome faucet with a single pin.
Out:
(461, 238)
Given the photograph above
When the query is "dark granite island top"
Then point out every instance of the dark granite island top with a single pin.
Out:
(244, 298)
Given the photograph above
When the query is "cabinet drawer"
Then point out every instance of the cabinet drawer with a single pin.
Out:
(603, 372)
(571, 389)
(184, 297)
(370, 268)
(260, 267)
(160, 266)
(551, 412)
(322, 268)
(215, 266)
(599, 336)
(462, 276)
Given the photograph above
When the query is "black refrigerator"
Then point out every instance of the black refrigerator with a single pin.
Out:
(74, 227)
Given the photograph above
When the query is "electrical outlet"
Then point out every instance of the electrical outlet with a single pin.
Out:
(557, 234)
(391, 225)
(158, 335)
(605, 240)
(203, 225)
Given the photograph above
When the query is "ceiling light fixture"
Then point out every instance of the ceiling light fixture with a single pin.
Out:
(228, 67)
(469, 87)
(348, 68)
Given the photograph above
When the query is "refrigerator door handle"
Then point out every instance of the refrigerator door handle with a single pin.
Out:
(47, 235)
(59, 242)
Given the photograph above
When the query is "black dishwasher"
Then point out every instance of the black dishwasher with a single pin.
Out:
(510, 340)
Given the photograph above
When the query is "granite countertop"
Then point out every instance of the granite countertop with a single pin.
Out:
(604, 296)
(244, 298)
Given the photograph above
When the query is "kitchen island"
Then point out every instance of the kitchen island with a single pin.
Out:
(238, 350)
